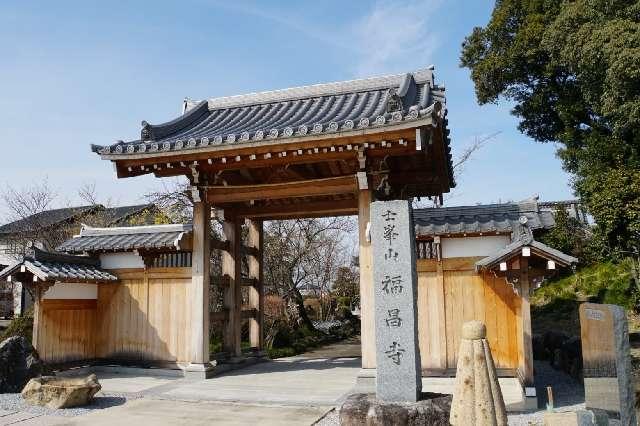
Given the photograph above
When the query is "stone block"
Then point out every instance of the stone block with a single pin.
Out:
(570, 418)
(365, 409)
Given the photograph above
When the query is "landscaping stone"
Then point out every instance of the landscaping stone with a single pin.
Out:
(395, 281)
(365, 409)
(61, 392)
(477, 398)
(19, 362)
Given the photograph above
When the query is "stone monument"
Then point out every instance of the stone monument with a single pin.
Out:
(606, 361)
(398, 374)
(477, 398)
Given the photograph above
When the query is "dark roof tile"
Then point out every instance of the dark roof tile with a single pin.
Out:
(60, 267)
(487, 218)
(290, 113)
(91, 240)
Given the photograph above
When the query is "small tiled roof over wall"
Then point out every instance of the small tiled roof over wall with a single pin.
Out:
(56, 267)
(487, 218)
(153, 237)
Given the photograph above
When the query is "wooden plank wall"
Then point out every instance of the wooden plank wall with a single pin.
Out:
(465, 296)
(66, 330)
(146, 316)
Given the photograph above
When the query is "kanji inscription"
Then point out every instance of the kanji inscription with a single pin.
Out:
(397, 356)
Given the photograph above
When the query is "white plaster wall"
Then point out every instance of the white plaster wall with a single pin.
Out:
(72, 291)
(473, 246)
(121, 261)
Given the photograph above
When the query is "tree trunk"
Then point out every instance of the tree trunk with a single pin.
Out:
(302, 312)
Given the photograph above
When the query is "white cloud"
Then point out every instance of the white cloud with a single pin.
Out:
(391, 36)
(395, 36)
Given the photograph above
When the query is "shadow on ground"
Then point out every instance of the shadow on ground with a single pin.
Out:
(566, 390)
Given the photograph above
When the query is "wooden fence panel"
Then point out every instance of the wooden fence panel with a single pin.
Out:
(467, 296)
(68, 331)
(146, 316)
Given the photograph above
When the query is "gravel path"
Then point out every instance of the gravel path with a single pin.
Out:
(568, 395)
(14, 402)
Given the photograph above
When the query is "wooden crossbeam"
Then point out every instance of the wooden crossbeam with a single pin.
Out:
(250, 251)
(307, 188)
(220, 245)
(224, 245)
(219, 316)
(248, 313)
(244, 282)
(301, 210)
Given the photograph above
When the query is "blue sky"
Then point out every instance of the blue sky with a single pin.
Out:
(74, 73)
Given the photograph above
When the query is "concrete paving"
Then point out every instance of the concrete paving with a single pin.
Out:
(297, 381)
(162, 412)
(289, 391)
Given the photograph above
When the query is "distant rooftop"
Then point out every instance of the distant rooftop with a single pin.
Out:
(46, 219)
(49, 218)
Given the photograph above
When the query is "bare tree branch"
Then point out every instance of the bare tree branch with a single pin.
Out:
(467, 154)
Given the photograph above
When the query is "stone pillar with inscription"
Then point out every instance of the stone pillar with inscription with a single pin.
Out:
(606, 360)
(398, 375)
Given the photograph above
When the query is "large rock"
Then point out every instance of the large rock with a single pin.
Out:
(365, 410)
(19, 362)
(61, 392)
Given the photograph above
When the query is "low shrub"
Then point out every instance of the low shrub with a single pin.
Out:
(20, 326)
(606, 282)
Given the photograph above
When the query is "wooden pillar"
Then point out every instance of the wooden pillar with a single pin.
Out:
(526, 350)
(231, 267)
(256, 293)
(440, 314)
(37, 315)
(367, 328)
(199, 293)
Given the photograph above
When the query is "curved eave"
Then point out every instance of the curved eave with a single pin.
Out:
(430, 119)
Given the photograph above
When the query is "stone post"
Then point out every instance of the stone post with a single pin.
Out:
(477, 398)
(398, 376)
